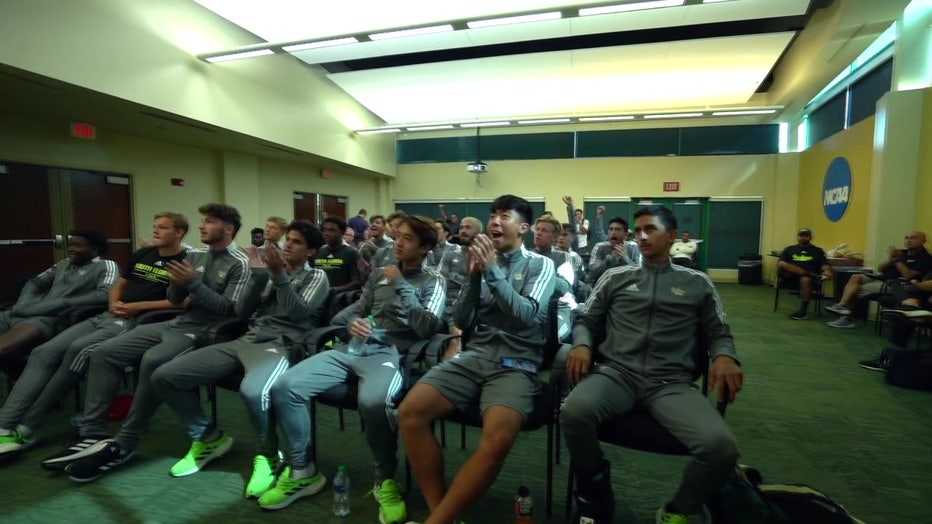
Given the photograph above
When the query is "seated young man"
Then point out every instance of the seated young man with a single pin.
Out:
(618, 250)
(910, 263)
(406, 303)
(215, 279)
(443, 246)
(289, 309)
(453, 268)
(915, 302)
(337, 259)
(83, 279)
(54, 368)
(806, 263)
(503, 303)
(684, 250)
(546, 231)
(633, 346)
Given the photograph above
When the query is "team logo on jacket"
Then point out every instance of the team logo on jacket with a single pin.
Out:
(632, 287)
(519, 276)
(221, 274)
(677, 291)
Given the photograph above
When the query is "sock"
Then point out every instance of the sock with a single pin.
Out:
(804, 306)
(5, 432)
(304, 472)
(211, 435)
(669, 507)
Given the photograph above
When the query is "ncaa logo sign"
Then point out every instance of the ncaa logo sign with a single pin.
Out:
(836, 189)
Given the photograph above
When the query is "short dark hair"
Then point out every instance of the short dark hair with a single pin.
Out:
(618, 220)
(578, 210)
(255, 230)
(513, 203)
(423, 227)
(444, 225)
(567, 228)
(228, 214)
(337, 221)
(377, 217)
(362, 211)
(95, 238)
(396, 214)
(307, 230)
(667, 218)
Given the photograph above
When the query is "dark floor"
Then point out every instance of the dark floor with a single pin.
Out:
(808, 414)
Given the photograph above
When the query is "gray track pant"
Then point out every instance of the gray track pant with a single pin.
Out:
(177, 382)
(679, 407)
(380, 380)
(54, 368)
(147, 346)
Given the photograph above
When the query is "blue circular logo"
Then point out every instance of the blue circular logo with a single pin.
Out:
(836, 189)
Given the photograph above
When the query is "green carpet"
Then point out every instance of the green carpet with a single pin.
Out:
(808, 414)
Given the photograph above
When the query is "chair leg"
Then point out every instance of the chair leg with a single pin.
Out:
(462, 436)
(548, 503)
(570, 484)
(443, 435)
(340, 415)
(776, 297)
(212, 398)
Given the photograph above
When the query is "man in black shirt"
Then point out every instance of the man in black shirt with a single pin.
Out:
(336, 258)
(910, 264)
(805, 263)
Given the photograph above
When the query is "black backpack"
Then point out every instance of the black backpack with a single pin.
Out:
(745, 499)
(909, 368)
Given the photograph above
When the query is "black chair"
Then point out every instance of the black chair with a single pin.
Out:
(638, 429)
(546, 405)
(792, 285)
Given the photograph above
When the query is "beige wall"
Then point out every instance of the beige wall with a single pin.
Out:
(773, 177)
(258, 187)
(924, 186)
(144, 52)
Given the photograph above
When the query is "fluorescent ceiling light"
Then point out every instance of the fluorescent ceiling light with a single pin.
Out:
(478, 24)
(379, 131)
(322, 43)
(623, 8)
(714, 1)
(545, 121)
(412, 32)
(485, 124)
(239, 56)
(745, 112)
(605, 118)
(672, 115)
(430, 128)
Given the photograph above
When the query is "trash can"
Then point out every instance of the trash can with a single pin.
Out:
(750, 269)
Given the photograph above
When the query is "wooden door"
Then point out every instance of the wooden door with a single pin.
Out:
(305, 207)
(86, 192)
(29, 240)
(334, 206)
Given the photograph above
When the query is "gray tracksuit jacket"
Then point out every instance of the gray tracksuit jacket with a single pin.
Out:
(645, 319)
(506, 307)
(65, 285)
(222, 281)
(291, 305)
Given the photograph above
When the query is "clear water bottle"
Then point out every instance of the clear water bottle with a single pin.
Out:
(357, 346)
(341, 487)
(524, 506)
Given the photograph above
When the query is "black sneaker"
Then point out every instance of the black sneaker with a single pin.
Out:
(80, 448)
(96, 464)
(877, 364)
(595, 502)
(799, 315)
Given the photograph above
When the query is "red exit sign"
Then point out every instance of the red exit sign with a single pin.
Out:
(671, 186)
(83, 130)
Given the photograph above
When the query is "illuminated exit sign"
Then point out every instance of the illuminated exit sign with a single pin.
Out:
(671, 186)
(83, 130)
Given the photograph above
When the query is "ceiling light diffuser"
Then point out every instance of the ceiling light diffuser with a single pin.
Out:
(745, 112)
(322, 43)
(430, 128)
(672, 115)
(412, 32)
(624, 8)
(545, 121)
(605, 118)
(379, 131)
(239, 56)
(485, 124)
(520, 19)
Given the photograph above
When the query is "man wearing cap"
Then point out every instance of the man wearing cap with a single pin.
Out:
(806, 263)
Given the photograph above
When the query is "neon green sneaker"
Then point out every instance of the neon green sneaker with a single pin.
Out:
(200, 454)
(392, 509)
(669, 518)
(287, 490)
(15, 441)
(263, 476)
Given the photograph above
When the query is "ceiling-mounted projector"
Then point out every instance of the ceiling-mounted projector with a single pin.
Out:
(477, 167)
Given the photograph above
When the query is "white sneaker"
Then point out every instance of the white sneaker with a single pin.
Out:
(838, 308)
(842, 322)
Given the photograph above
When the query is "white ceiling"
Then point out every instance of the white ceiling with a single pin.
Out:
(651, 77)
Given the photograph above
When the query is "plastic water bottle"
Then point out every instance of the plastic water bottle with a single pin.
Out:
(341, 487)
(357, 346)
(524, 506)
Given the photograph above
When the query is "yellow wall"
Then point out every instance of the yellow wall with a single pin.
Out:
(772, 177)
(856, 146)
(924, 182)
(258, 187)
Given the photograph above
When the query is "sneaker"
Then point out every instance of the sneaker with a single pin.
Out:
(200, 454)
(799, 315)
(263, 476)
(842, 322)
(838, 308)
(92, 466)
(392, 509)
(15, 441)
(877, 364)
(287, 490)
(669, 518)
(80, 448)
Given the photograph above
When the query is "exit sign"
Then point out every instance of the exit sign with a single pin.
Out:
(671, 186)
(83, 130)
